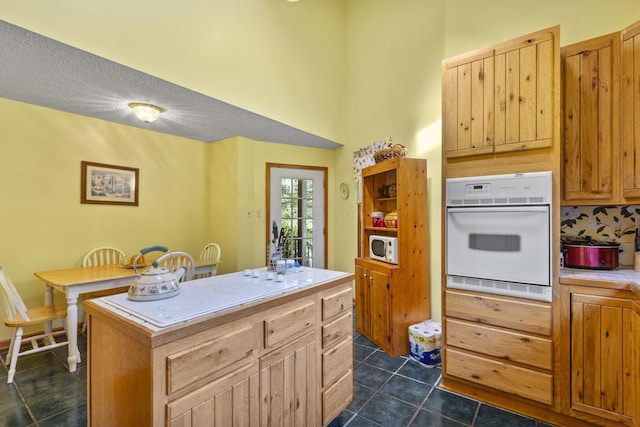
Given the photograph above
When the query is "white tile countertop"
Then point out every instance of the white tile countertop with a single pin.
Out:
(624, 279)
(215, 294)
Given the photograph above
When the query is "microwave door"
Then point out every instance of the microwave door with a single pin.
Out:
(499, 243)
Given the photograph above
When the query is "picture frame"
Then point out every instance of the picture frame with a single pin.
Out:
(105, 184)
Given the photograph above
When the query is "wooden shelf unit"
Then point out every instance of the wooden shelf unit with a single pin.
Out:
(390, 297)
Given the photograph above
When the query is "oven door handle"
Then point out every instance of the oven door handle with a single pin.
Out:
(491, 209)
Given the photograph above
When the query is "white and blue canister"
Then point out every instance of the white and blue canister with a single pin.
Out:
(424, 343)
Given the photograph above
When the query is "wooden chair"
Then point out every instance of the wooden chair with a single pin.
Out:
(211, 252)
(101, 256)
(174, 261)
(19, 316)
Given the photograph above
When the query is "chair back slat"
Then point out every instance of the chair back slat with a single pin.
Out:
(103, 256)
(180, 259)
(211, 252)
(12, 301)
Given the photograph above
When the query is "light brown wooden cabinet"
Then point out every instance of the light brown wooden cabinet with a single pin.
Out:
(285, 361)
(605, 355)
(631, 112)
(499, 342)
(500, 99)
(391, 297)
(591, 119)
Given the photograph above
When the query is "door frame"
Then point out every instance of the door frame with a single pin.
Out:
(324, 171)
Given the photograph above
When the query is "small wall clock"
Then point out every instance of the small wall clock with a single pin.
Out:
(344, 191)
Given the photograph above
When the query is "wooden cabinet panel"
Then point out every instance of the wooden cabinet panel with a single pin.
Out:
(209, 357)
(292, 321)
(339, 395)
(336, 330)
(468, 101)
(518, 314)
(500, 344)
(591, 140)
(289, 388)
(372, 304)
(336, 362)
(520, 381)
(337, 303)
(605, 372)
(230, 400)
(630, 92)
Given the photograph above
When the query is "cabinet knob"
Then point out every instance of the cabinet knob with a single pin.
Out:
(364, 275)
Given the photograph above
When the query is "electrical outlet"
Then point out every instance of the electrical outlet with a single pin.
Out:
(248, 213)
(258, 213)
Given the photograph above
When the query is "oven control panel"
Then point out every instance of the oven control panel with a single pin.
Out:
(477, 189)
(531, 188)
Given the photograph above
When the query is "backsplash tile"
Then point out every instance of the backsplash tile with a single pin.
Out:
(606, 223)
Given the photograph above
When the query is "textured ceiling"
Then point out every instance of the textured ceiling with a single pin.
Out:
(41, 71)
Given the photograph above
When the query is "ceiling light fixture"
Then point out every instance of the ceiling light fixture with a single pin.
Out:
(145, 112)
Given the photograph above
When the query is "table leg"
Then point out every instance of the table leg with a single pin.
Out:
(48, 300)
(72, 331)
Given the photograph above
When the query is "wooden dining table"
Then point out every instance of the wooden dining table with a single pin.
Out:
(81, 280)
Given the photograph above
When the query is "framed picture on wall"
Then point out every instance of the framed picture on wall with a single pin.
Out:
(109, 184)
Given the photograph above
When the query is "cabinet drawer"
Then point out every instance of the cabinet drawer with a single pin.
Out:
(512, 379)
(289, 323)
(337, 303)
(337, 361)
(335, 331)
(210, 357)
(500, 343)
(337, 397)
(522, 315)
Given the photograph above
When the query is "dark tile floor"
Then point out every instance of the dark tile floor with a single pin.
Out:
(398, 392)
(389, 392)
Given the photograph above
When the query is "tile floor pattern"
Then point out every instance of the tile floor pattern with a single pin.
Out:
(389, 392)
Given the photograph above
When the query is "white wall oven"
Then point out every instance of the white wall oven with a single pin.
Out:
(498, 236)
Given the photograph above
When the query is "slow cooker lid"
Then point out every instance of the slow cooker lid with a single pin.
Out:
(586, 241)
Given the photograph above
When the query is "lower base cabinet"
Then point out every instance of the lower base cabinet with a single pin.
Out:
(605, 356)
(284, 362)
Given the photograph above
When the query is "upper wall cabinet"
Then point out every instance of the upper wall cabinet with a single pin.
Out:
(591, 137)
(631, 112)
(499, 99)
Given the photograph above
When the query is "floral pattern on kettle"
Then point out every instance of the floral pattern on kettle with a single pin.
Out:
(606, 223)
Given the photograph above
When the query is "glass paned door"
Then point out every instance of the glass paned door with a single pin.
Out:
(297, 209)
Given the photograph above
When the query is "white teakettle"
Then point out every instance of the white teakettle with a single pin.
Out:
(156, 282)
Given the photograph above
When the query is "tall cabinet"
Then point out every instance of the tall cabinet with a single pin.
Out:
(391, 297)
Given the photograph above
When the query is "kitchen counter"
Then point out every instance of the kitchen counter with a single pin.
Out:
(622, 279)
(215, 294)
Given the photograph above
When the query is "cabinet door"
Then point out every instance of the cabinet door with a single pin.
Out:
(289, 385)
(468, 104)
(605, 349)
(524, 82)
(379, 306)
(631, 112)
(230, 400)
(363, 315)
(591, 120)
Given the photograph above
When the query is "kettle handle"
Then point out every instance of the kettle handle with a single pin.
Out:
(154, 248)
(146, 251)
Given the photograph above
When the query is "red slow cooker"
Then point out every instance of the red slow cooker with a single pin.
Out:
(582, 252)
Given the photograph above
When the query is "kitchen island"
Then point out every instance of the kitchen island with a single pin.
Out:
(229, 350)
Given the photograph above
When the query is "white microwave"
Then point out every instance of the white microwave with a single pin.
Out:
(384, 248)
